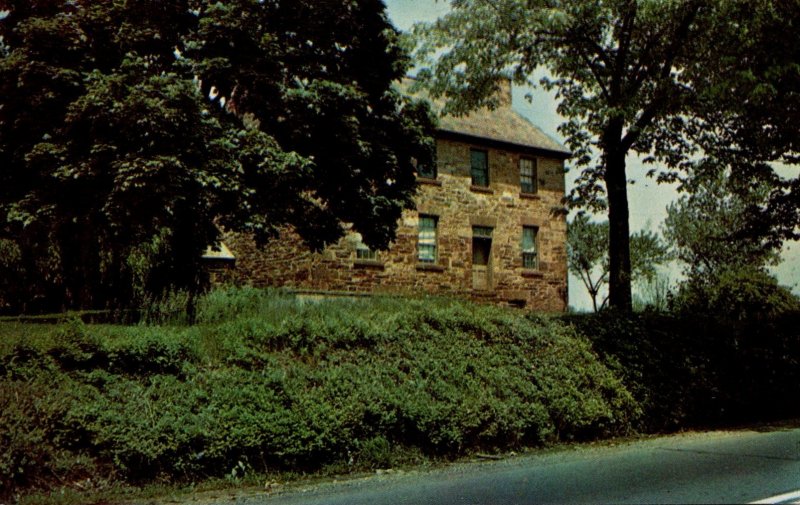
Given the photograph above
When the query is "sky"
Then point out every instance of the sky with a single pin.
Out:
(647, 199)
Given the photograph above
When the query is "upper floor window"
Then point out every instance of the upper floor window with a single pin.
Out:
(527, 175)
(479, 162)
(529, 250)
(426, 170)
(426, 240)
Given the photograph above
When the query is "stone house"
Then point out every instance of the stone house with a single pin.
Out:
(488, 225)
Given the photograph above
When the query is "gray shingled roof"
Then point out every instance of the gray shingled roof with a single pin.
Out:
(502, 124)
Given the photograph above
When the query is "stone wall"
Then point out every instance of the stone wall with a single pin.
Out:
(458, 207)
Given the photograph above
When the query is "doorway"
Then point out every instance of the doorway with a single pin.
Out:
(481, 257)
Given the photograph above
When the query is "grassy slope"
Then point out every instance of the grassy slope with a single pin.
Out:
(265, 382)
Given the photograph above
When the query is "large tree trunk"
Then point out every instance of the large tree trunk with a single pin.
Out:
(80, 257)
(619, 285)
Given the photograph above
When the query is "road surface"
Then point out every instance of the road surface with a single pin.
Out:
(716, 467)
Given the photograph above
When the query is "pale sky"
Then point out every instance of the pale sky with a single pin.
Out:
(647, 199)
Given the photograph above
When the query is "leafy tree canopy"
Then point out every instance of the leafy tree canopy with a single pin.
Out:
(749, 92)
(670, 80)
(736, 292)
(715, 231)
(709, 227)
(131, 129)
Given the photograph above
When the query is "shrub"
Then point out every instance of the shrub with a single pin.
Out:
(736, 293)
(288, 385)
(144, 428)
(694, 371)
(33, 440)
(23, 447)
(171, 307)
(230, 303)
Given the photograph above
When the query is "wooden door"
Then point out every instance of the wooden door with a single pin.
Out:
(481, 258)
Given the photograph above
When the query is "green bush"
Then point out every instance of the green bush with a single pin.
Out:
(34, 442)
(228, 303)
(24, 447)
(736, 293)
(699, 370)
(282, 384)
(375, 453)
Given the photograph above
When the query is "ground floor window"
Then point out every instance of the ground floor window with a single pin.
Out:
(426, 170)
(529, 250)
(363, 252)
(426, 240)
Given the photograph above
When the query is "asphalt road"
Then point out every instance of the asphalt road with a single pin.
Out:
(716, 467)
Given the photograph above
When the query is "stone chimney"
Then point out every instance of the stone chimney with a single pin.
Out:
(504, 92)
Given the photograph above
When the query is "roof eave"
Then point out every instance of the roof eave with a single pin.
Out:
(503, 144)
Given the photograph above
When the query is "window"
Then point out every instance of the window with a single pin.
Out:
(427, 171)
(529, 256)
(480, 167)
(527, 175)
(426, 242)
(363, 252)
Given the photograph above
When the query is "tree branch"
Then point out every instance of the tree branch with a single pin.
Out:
(662, 88)
(626, 33)
(595, 72)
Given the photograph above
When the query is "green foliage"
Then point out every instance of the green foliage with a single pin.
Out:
(376, 453)
(171, 307)
(711, 228)
(738, 292)
(284, 384)
(654, 295)
(357, 384)
(129, 131)
(588, 255)
(749, 132)
(11, 273)
(700, 371)
(716, 232)
(230, 303)
(30, 414)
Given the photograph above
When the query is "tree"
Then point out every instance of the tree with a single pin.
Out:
(130, 131)
(737, 292)
(750, 132)
(632, 76)
(709, 228)
(587, 255)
